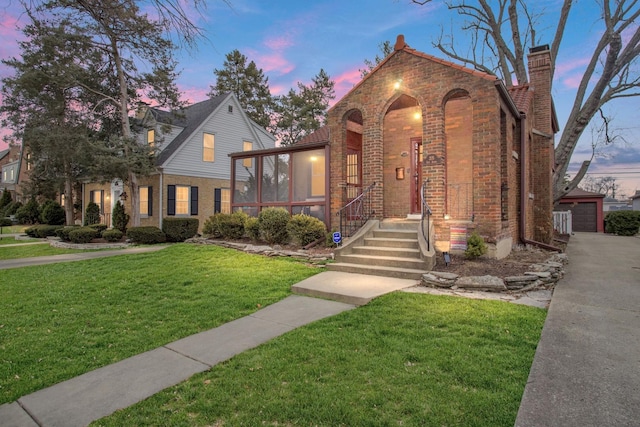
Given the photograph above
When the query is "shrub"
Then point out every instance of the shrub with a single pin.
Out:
(113, 235)
(11, 208)
(180, 229)
(211, 227)
(42, 231)
(29, 213)
(146, 235)
(120, 217)
(5, 200)
(52, 213)
(476, 246)
(5, 222)
(273, 225)
(63, 232)
(83, 234)
(226, 226)
(304, 229)
(92, 214)
(252, 228)
(99, 228)
(623, 223)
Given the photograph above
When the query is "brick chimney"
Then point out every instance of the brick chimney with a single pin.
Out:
(543, 130)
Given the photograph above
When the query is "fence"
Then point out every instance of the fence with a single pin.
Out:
(562, 222)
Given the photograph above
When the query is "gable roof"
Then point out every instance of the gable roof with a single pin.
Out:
(191, 118)
(579, 193)
(3, 153)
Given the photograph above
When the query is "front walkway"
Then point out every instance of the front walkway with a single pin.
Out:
(586, 370)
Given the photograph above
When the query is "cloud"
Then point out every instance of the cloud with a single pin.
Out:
(345, 81)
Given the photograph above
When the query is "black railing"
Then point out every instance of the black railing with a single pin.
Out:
(425, 213)
(356, 213)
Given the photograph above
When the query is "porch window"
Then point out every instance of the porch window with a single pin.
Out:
(309, 173)
(275, 178)
(208, 145)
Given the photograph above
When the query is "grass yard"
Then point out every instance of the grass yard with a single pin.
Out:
(59, 321)
(404, 359)
(28, 251)
(12, 229)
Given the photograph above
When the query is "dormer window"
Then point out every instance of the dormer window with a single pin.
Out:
(230, 108)
(151, 137)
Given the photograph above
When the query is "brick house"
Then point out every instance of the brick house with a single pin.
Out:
(14, 171)
(483, 151)
(192, 166)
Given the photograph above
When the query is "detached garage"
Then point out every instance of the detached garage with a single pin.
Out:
(586, 210)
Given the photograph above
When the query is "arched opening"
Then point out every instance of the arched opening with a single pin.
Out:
(402, 157)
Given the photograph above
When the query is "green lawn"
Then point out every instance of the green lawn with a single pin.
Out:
(404, 359)
(28, 251)
(14, 229)
(59, 321)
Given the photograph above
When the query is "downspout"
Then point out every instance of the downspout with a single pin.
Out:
(524, 194)
(160, 196)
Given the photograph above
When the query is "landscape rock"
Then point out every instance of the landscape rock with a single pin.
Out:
(487, 283)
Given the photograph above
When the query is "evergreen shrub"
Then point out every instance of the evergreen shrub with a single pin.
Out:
(622, 223)
(273, 225)
(180, 229)
(476, 246)
(146, 235)
(29, 213)
(92, 214)
(304, 229)
(52, 213)
(83, 234)
(120, 217)
(112, 235)
(63, 232)
(252, 228)
(42, 231)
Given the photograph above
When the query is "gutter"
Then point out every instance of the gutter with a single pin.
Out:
(523, 191)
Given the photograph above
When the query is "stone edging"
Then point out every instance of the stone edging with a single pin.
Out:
(542, 275)
(263, 249)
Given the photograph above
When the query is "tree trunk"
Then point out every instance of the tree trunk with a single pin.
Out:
(68, 202)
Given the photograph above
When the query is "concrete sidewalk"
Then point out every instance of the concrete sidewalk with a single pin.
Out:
(586, 370)
(80, 256)
(96, 394)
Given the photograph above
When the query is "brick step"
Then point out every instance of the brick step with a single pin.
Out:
(377, 270)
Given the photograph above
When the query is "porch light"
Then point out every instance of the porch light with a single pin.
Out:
(397, 84)
(447, 217)
(417, 116)
(313, 158)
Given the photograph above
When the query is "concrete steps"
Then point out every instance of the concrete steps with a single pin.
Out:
(389, 251)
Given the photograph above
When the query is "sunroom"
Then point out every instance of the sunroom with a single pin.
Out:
(292, 177)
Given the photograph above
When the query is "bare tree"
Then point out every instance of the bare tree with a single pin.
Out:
(502, 30)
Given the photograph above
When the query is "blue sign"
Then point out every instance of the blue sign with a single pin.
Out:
(337, 238)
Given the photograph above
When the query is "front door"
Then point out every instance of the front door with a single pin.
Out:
(416, 174)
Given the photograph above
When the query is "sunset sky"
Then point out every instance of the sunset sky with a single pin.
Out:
(291, 40)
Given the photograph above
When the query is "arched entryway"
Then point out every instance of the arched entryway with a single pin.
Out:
(402, 157)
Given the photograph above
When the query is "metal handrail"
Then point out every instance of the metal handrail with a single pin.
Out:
(356, 213)
(425, 212)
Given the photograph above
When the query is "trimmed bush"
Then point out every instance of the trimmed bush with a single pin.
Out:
(622, 223)
(226, 226)
(252, 228)
(63, 232)
(42, 231)
(273, 225)
(52, 213)
(120, 217)
(98, 227)
(92, 214)
(83, 234)
(29, 213)
(180, 229)
(113, 235)
(146, 235)
(211, 227)
(476, 247)
(5, 222)
(304, 229)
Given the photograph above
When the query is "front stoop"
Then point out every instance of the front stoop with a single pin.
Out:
(391, 250)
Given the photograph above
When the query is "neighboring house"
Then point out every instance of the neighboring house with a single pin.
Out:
(635, 201)
(15, 170)
(610, 205)
(192, 164)
(482, 152)
(587, 212)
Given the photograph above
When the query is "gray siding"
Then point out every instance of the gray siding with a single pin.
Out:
(230, 130)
